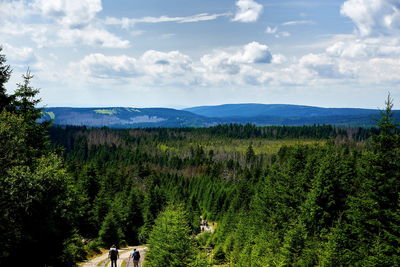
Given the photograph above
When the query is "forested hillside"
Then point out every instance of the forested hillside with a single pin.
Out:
(282, 195)
(279, 196)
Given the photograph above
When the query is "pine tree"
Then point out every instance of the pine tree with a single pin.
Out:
(170, 242)
(5, 73)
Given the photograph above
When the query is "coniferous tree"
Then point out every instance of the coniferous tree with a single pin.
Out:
(170, 242)
(37, 199)
(5, 73)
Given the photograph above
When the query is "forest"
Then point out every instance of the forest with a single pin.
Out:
(279, 196)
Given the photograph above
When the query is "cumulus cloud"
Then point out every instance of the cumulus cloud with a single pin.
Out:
(58, 23)
(73, 13)
(325, 66)
(248, 11)
(278, 59)
(251, 53)
(14, 9)
(166, 64)
(236, 67)
(173, 67)
(378, 17)
(364, 48)
(90, 36)
(381, 70)
(153, 67)
(108, 67)
(20, 55)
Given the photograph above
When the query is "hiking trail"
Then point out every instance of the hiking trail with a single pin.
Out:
(124, 253)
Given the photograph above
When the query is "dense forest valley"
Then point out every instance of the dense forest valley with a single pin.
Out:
(277, 196)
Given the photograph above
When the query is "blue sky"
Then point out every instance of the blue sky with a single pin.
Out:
(181, 53)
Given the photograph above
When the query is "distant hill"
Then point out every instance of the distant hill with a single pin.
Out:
(124, 117)
(276, 110)
(259, 114)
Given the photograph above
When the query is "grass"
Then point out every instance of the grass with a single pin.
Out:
(106, 111)
(105, 262)
(260, 146)
(51, 115)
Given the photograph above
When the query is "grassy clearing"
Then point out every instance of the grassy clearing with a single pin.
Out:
(51, 115)
(105, 111)
(260, 146)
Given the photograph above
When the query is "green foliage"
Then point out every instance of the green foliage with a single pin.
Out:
(170, 242)
(111, 232)
(279, 201)
(38, 199)
(74, 250)
(40, 204)
(5, 73)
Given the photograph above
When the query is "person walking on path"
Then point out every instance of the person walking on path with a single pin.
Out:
(113, 254)
(135, 257)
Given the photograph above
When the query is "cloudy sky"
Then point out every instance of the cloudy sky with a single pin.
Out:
(181, 53)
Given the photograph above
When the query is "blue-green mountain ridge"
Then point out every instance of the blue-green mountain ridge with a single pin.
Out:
(203, 116)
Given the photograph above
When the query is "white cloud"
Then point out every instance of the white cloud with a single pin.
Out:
(325, 66)
(90, 36)
(14, 9)
(270, 30)
(224, 62)
(253, 52)
(20, 55)
(236, 68)
(220, 63)
(381, 70)
(297, 22)
(72, 13)
(58, 23)
(275, 31)
(282, 34)
(248, 11)
(152, 68)
(278, 59)
(127, 23)
(156, 68)
(166, 64)
(108, 67)
(351, 47)
(373, 17)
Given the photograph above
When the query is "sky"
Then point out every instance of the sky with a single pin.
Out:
(183, 53)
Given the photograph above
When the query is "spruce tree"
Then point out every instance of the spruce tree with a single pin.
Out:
(5, 73)
(170, 241)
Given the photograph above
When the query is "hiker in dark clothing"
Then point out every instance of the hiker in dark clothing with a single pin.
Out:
(113, 254)
(135, 257)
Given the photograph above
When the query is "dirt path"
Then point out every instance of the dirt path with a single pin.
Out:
(124, 253)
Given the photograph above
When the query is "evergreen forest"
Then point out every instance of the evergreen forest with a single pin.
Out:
(276, 196)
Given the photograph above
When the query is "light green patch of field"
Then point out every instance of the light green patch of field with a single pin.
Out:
(51, 115)
(164, 148)
(260, 146)
(106, 111)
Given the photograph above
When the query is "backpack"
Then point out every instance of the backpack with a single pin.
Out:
(136, 255)
(113, 254)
